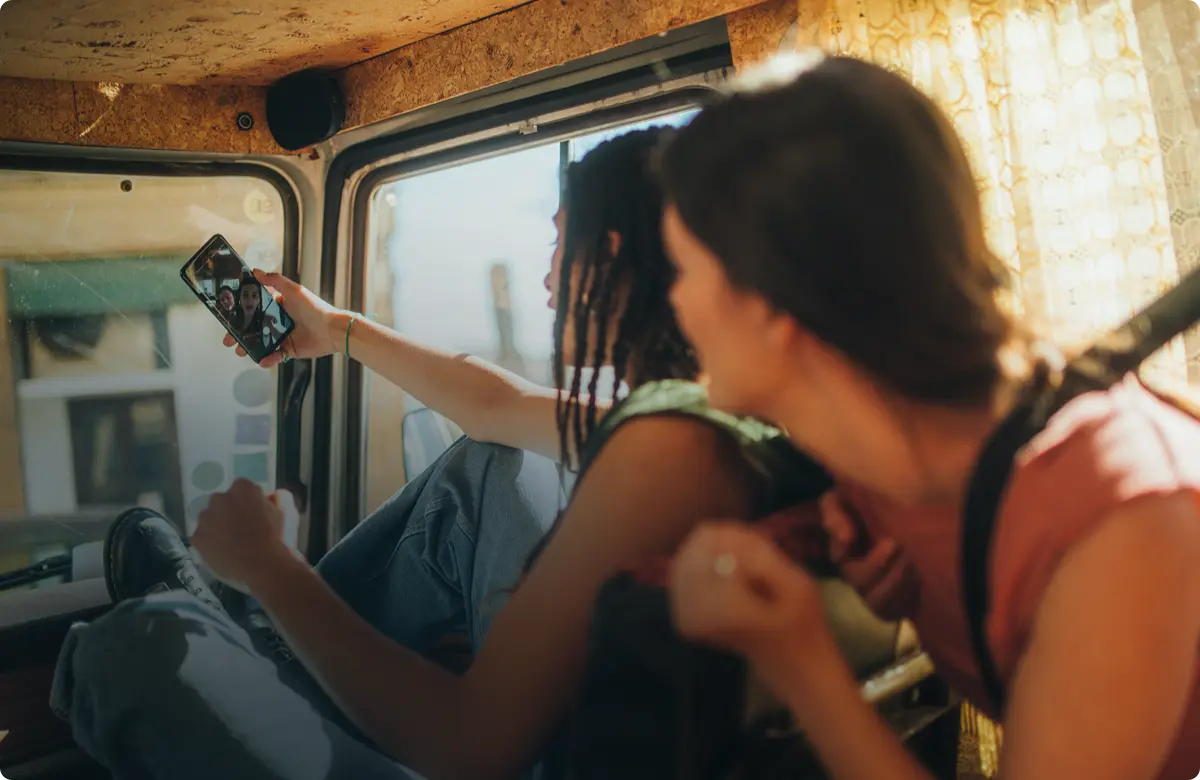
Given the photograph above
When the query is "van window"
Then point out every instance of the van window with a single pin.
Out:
(456, 258)
(115, 388)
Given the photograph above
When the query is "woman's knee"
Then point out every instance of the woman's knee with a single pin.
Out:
(471, 455)
(506, 469)
(139, 646)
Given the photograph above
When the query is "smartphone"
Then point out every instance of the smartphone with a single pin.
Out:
(226, 285)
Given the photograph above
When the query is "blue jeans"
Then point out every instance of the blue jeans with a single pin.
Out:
(165, 687)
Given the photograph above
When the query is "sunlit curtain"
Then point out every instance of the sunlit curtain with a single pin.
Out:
(1081, 121)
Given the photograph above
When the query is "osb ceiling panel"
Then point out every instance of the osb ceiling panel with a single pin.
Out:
(213, 41)
(760, 32)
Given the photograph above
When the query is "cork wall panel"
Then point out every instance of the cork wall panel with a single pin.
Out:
(138, 115)
(216, 41)
(756, 33)
(151, 116)
(518, 42)
(525, 40)
(37, 111)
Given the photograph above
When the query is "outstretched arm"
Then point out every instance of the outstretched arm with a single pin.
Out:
(653, 481)
(487, 402)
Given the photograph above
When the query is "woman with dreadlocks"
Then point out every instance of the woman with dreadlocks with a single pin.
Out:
(169, 685)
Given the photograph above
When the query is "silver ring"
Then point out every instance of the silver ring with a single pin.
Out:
(724, 565)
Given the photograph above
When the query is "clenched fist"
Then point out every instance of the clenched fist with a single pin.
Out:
(240, 534)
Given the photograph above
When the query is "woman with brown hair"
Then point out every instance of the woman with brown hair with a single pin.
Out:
(834, 278)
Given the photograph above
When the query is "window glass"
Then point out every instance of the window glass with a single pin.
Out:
(457, 259)
(586, 143)
(115, 388)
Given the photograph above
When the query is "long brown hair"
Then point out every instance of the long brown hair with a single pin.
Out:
(842, 195)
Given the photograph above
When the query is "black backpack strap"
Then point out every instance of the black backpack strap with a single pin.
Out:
(984, 496)
(1124, 348)
(1107, 362)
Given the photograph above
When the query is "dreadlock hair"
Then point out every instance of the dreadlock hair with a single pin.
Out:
(614, 189)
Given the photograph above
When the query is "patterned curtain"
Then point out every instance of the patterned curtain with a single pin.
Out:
(1082, 121)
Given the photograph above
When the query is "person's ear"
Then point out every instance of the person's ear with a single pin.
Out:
(614, 242)
(788, 335)
(757, 315)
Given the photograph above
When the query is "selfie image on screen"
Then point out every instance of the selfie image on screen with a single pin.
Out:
(248, 310)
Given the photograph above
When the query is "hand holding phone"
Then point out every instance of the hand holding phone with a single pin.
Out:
(320, 327)
(235, 296)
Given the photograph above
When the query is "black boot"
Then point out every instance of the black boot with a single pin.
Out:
(144, 554)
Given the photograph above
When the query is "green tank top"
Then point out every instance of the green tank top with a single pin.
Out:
(785, 476)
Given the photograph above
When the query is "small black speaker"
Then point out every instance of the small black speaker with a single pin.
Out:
(305, 108)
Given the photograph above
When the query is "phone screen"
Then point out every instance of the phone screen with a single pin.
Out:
(226, 285)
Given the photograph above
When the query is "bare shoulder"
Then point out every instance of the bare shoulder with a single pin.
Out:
(1097, 655)
(670, 446)
(1164, 526)
(655, 479)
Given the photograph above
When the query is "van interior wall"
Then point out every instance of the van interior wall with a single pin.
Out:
(203, 118)
(760, 31)
(224, 42)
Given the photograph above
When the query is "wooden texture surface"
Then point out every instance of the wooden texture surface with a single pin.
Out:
(219, 41)
(757, 33)
(524, 40)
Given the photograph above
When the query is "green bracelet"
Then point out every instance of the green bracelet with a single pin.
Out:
(349, 328)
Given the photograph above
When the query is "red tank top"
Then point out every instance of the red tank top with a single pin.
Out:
(1102, 450)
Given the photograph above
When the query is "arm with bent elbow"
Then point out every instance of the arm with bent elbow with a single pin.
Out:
(654, 480)
(489, 403)
(1100, 691)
